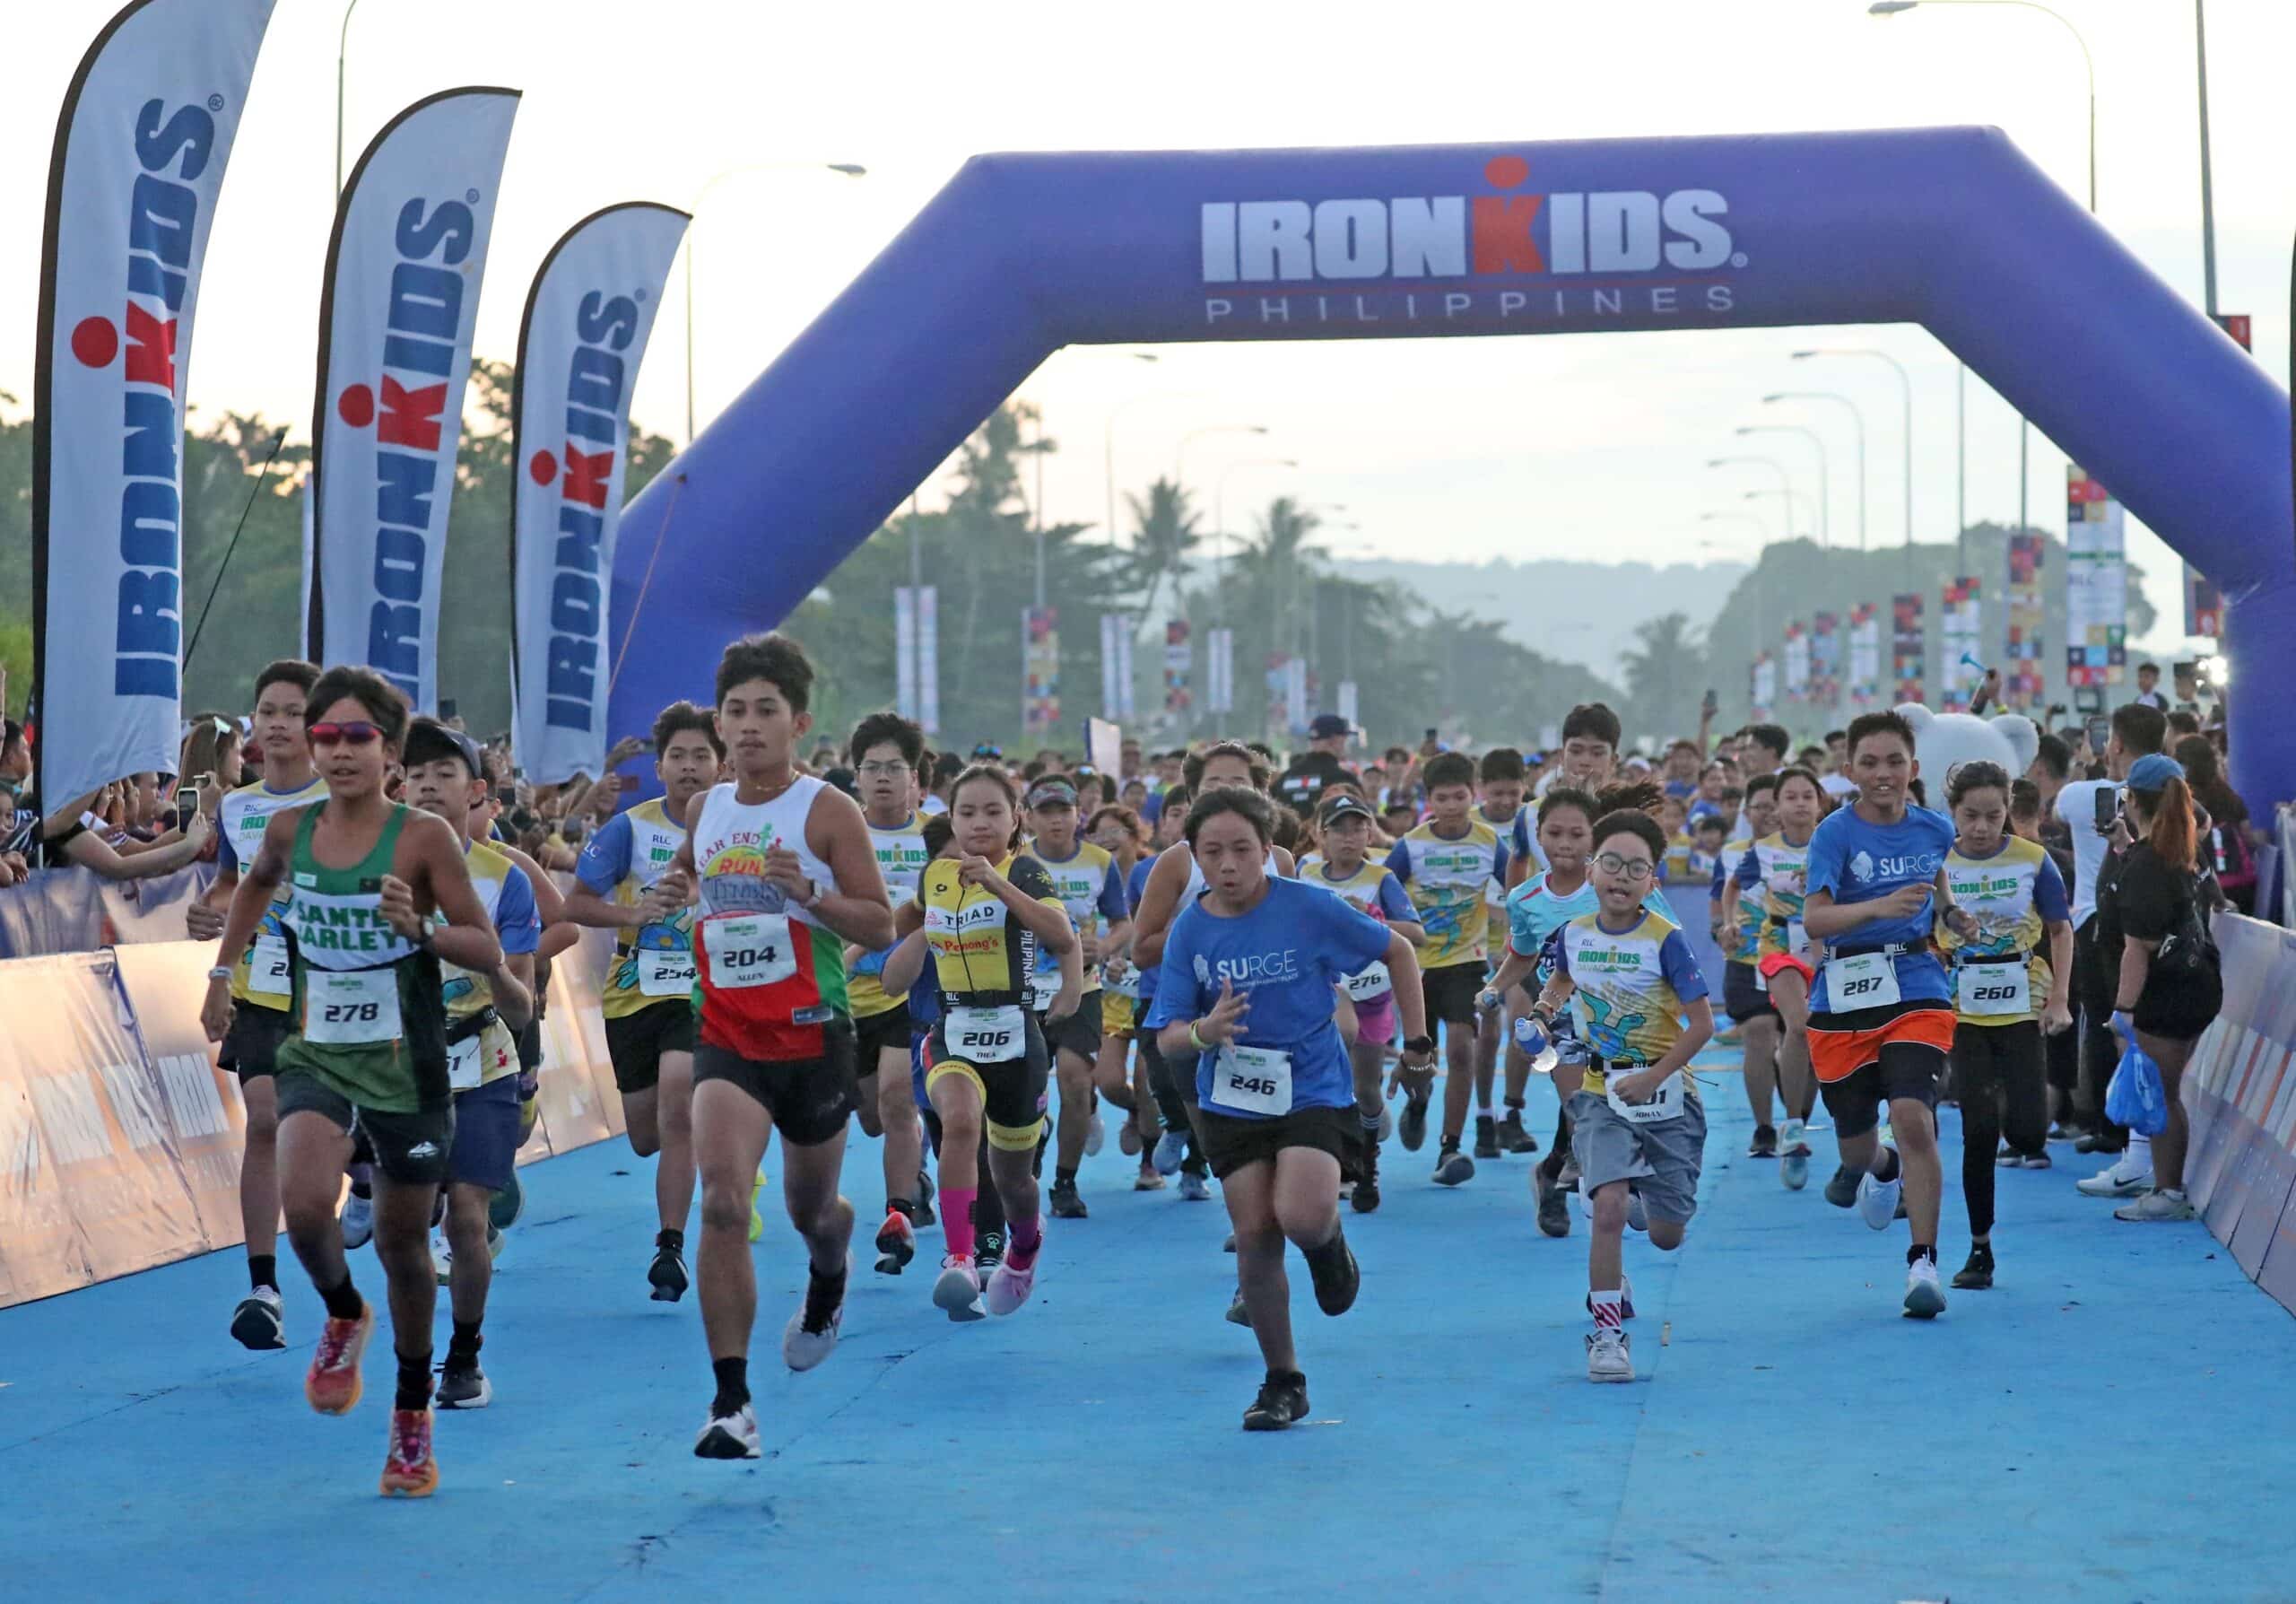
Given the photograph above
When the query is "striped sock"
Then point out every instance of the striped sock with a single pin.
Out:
(1609, 1310)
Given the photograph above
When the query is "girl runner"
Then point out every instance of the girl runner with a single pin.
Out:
(1737, 915)
(1778, 866)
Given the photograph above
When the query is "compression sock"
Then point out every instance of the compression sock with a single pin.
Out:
(342, 1301)
(1020, 1247)
(413, 1380)
(956, 1217)
(732, 1385)
(263, 1270)
(465, 1342)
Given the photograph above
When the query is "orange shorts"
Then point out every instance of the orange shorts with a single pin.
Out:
(1774, 964)
(1836, 1054)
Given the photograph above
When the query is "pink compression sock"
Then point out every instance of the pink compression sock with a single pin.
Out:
(956, 1217)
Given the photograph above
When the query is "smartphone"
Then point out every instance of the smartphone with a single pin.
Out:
(2108, 808)
(1711, 704)
(2100, 731)
(445, 709)
(186, 802)
(1431, 733)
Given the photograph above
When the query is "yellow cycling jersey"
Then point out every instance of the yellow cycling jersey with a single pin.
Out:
(982, 954)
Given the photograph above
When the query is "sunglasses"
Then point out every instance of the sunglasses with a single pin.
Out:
(345, 734)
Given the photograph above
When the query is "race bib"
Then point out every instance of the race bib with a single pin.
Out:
(1121, 980)
(748, 950)
(1797, 939)
(1255, 1079)
(988, 1035)
(1042, 989)
(662, 973)
(466, 1063)
(1367, 983)
(1666, 1104)
(270, 972)
(353, 1008)
(1868, 980)
(1991, 991)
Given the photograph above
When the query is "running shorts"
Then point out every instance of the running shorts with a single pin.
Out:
(1232, 1142)
(411, 1149)
(1869, 1056)
(1013, 1091)
(1662, 1160)
(1119, 1016)
(1375, 1020)
(809, 1099)
(880, 1033)
(253, 1040)
(1450, 992)
(486, 1135)
(1774, 964)
(635, 1043)
(1080, 1033)
(1741, 998)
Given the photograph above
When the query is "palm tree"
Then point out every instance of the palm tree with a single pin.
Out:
(1662, 665)
(1164, 535)
(1277, 567)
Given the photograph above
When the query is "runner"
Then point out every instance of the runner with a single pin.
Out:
(2017, 898)
(368, 1052)
(1273, 1078)
(485, 1010)
(263, 980)
(1342, 868)
(1084, 875)
(981, 918)
(1590, 758)
(1446, 865)
(1118, 832)
(1737, 915)
(649, 991)
(887, 752)
(786, 877)
(1169, 1137)
(1775, 871)
(1637, 1123)
(1503, 782)
(1881, 1014)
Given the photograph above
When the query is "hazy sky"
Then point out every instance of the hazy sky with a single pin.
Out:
(1454, 448)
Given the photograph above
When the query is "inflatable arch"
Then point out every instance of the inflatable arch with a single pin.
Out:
(1950, 228)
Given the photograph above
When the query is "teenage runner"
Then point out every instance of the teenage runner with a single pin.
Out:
(1639, 1006)
(1343, 868)
(1118, 832)
(368, 1054)
(1881, 1012)
(785, 877)
(263, 980)
(2017, 898)
(648, 998)
(1737, 915)
(1274, 1084)
(1169, 1136)
(1774, 872)
(1501, 781)
(1590, 738)
(1084, 875)
(484, 1013)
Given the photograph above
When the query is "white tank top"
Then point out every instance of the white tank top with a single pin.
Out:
(730, 841)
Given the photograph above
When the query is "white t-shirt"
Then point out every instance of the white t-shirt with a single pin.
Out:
(2076, 805)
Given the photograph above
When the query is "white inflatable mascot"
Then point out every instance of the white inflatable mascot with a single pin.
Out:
(1943, 741)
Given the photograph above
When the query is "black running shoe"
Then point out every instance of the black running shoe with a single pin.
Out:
(1335, 1274)
(1283, 1399)
(987, 1254)
(1065, 1204)
(1977, 1275)
(1765, 1142)
(260, 1321)
(924, 1214)
(1367, 1180)
(667, 1274)
(1513, 1137)
(1554, 1205)
(1486, 1137)
(1453, 1167)
(462, 1384)
(1841, 1191)
(1412, 1127)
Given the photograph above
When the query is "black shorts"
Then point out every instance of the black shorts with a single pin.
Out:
(809, 1099)
(1080, 1033)
(1011, 1090)
(636, 1041)
(486, 1135)
(1741, 998)
(253, 1040)
(1229, 1142)
(1450, 992)
(411, 1149)
(880, 1034)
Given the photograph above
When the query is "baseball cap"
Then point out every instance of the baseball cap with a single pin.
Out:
(429, 739)
(1341, 807)
(1053, 792)
(1326, 725)
(2152, 772)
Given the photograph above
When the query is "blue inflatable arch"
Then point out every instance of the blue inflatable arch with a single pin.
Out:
(1950, 228)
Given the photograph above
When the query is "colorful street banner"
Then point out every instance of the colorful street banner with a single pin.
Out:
(2203, 605)
(905, 652)
(1960, 633)
(1220, 672)
(588, 318)
(1177, 662)
(928, 659)
(403, 270)
(1865, 654)
(1039, 671)
(141, 148)
(1763, 693)
(1908, 646)
(2096, 583)
(1825, 658)
(2021, 671)
(1797, 662)
(1112, 630)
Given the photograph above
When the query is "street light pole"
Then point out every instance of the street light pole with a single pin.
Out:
(2207, 184)
(1905, 390)
(1785, 481)
(342, 52)
(1858, 419)
(1825, 493)
(1179, 454)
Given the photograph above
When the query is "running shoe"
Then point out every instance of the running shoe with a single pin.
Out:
(1554, 1203)
(1366, 1200)
(2157, 1207)
(1012, 1283)
(1283, 1399)
(1977, 1275)
(987, 1254)
(260, 1321)
(1148, 1181)
(1877, 1200)
(503, 1210)
(2095, 1141)
(896, 1243)
(1765, 1143)
(2125, 1179)
(1513, 1138)
(1625, 1298)
(1237, 1315)
(1610, 1356)
(1065, 1204)
(1193, 1188)
(1337, 1278)
(1096, 1135)
(1387, 1123)
(1172, 1149)
(728, 1436)
(332, 1385)
(1841, 1191)
(1230, 1245)
(925, 1216)
(462, 1384)
(358, 1221)
(811, 1335)
(757, 1220)
(1570, 1177)
(958, 1289)
(1414, 1123)
(2036, 1160)
(1486, 1137)
(409, 1469)
(1794, 1157)
(1637, 1217)
(667, 1274)
(1452, 1167)
(2008, 1158)
(442, 1257)
(1924, 1298)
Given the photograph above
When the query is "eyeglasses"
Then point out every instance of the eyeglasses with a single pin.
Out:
(877, 770)
(358, 733)
(1630, 869)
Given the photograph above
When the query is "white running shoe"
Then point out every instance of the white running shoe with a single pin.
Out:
(2157, 1207)
(1877, 1200)
(442, 1255)
(1009, 1286)
(958, 1289)
(728, 1436)
(1792, 1156)
(1096, 1135)
(2124, 1179)
(1924, 1298)
(802, 1347)
(260, 1321)
(1386, 1124)
(358, 1221)
(1609, 1356)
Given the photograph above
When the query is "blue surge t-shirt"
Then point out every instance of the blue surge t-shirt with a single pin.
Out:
(1856, 862)
(1288, 953)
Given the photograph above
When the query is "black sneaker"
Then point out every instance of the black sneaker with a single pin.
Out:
(1977, 1275)
(1367, 1180)
(1513, 1137)
(987, 1254)
(1765, 1142)
(667, 1274)
(1486, 1137)
(1841, 1191)
(1283, 1399)
(1453, 1167)
(260, 1321)
(1065, 1204)
(923, 1215)
(1337, 1276)
(462, 1384)
(1554, 1206)
(1412, 1127)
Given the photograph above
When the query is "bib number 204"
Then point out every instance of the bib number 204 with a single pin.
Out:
(751, 957)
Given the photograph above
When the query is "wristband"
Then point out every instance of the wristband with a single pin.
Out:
(1195, 1041)
(222, 971)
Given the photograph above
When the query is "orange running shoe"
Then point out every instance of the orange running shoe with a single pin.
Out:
(409, 1471)
(333, 1385)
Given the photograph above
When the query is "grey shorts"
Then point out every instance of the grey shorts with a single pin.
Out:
(1662, 1160)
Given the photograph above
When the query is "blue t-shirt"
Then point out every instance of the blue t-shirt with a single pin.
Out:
(1288, 953)
(1855, 861)
(516, 920)
(1135, 887)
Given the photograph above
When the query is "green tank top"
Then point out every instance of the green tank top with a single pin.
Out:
(369, 1010)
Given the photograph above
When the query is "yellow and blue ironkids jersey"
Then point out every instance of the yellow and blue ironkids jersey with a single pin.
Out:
(1445, 878)
(1751, 912)
(2015, 895)
(1780, 871)
(652, 964)
(901, 859)
(1631, 987)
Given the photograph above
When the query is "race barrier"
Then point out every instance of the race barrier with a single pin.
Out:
(75, 910)
(2240, 1092)
(120, 1139)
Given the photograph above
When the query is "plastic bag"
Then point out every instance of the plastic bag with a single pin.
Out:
(2134, 1097)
